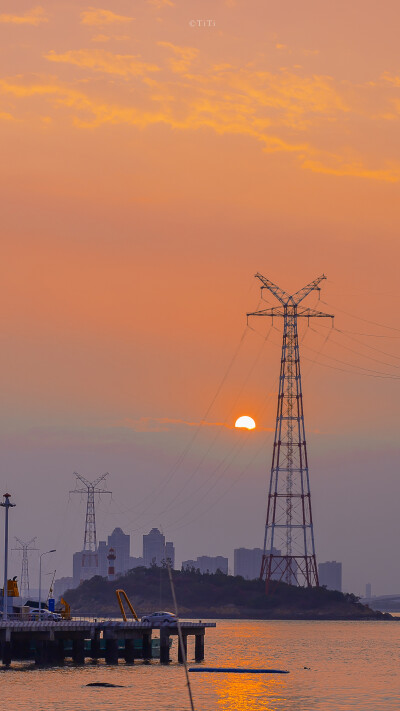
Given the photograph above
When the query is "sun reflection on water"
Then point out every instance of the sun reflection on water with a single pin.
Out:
(244, 692)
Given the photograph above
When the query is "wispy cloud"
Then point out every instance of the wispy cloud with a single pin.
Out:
(34, 17)
(354, 170)
(102, 61)
(159, 4)
(182, 57)
(95, 16)
(284, 111)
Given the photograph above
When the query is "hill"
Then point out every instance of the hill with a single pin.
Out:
(216, 596)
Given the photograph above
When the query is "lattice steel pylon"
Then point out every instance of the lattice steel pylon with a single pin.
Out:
(289, 547)
(89, 552)
(24, 547)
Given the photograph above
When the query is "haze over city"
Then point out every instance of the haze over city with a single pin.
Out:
(150, 168)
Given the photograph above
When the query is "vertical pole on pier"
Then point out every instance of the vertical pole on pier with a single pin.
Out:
(164, 645)
(199, 647)
(60, 651)
(6, 651)
(95, 647)
(7, 505)
(111, 651)
(182, 647)
(129, 651)
(78, 651)
(146, 645)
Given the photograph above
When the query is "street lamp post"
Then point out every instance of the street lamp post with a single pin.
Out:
(40, 580)
(7, 505)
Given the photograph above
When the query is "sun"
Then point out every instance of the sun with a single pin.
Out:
(246, 422)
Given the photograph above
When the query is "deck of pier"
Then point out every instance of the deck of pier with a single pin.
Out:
(51, 640)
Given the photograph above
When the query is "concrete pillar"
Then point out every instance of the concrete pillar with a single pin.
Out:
(20, 649)
(78, 651)
(129, 651)
(41, 652)
(111, 651)
(59, 651)
(95, 647)
(146, 644)
(199, 647)
(6, 653)
(164, 645)
(184, 640)
(54, 654)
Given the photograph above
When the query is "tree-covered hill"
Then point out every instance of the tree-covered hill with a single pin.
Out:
(214, 596)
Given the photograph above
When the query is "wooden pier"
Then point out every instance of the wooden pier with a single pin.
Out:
(50, 643)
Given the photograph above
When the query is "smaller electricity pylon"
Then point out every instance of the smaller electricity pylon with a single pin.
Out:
(25, 548)
(90, 562)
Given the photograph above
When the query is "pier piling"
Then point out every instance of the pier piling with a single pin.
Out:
(164, 645)
(199, 647)
(180, 655)
(111, 655)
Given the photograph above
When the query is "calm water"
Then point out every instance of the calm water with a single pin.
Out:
(352, 665)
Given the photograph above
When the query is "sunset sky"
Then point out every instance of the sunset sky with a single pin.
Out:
(156, 154)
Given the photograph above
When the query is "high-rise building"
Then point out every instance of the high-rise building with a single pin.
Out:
(121, 542)
(368, 591)
(77, 568)
(207, 564)
(330, 575)
(153, 548)
(247, 561)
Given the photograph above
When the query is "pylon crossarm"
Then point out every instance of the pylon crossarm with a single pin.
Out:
(82, 479)
(281, 295)
(300, 295)
(313, 313)
(274, 311)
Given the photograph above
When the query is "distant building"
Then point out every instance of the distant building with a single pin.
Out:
(121, 542)
(77, 568)
(61, 585)
(207, 564)
(189, 565)
(247, 561)
(156, 550)
(368, 591)
(330, 575)
(153, 548)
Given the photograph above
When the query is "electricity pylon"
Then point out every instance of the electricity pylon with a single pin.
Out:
(25, 548)
(289, 548)
(89, 563)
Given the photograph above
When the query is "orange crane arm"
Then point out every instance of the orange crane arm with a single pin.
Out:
(121, 606)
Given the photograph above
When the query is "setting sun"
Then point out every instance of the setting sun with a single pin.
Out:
(246, 422)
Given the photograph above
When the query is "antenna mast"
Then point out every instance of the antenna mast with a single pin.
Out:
(90, 560)
(289, 548)
(25, 547)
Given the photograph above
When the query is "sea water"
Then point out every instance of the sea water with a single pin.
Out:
(334, 666)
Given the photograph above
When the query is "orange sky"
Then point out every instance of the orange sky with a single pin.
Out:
(155, 155)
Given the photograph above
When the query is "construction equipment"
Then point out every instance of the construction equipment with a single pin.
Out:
(66, 612)
(12, 588)
(121, 606)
